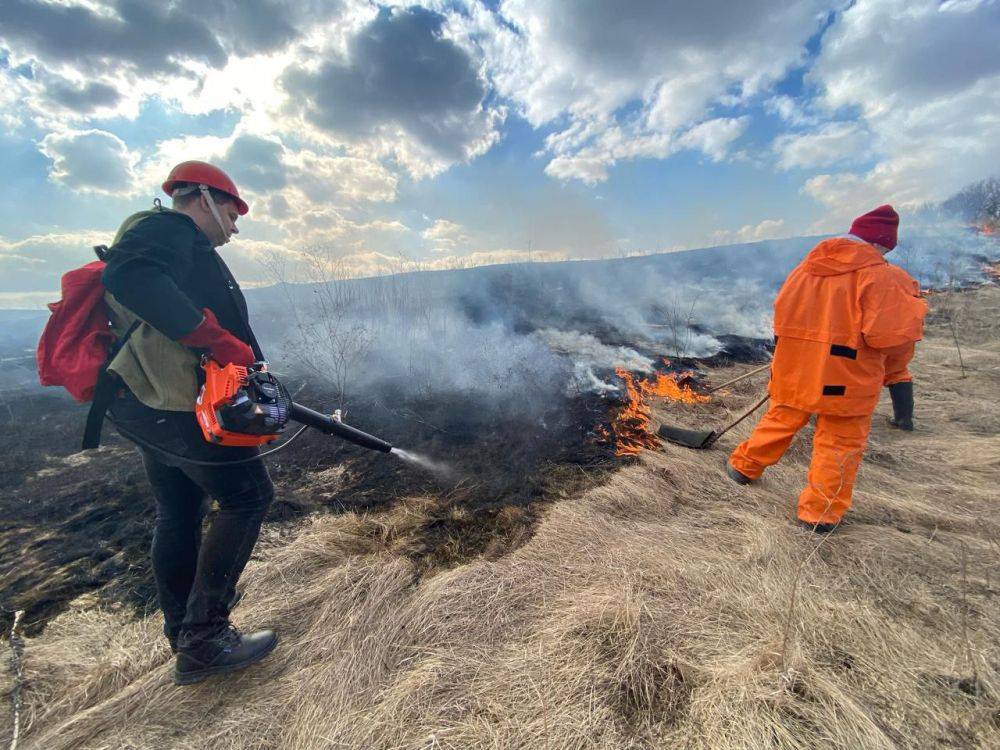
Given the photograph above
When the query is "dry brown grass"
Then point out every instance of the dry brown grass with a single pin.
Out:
(652, 611)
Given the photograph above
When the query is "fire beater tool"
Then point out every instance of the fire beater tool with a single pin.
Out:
(703, 438)
(738, 378)
(700, 439)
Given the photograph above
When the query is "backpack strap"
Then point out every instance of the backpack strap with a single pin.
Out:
(239, 306)
(104, 393)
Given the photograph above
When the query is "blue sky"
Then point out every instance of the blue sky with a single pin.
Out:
(379, 137)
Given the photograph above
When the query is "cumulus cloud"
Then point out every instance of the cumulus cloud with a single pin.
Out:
(483, 258)
(27, 300)
(152, 37)
(83, 97)
(250, 27)
(258, 161)
(924, 77)
(339, 100)
(99, 37)
(91, 161)
(587, 168)
(300, 190)
(445, 235)
(113, 54)
(768, 229)
(38, 261)
(403, 88)
(624, 85)
(834, 143)
(714, 137)
(792, 111)
(322, 178)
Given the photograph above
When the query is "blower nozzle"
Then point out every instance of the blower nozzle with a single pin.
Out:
(247, 406)
(330, 426)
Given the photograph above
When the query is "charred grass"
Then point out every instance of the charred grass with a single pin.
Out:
(77, 522)
(663, 606)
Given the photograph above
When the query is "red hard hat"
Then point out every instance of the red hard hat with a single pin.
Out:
(203, 173)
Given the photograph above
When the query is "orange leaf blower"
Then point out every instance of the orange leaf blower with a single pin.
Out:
(248, 406)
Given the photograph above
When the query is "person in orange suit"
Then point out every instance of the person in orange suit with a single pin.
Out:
(845, 324)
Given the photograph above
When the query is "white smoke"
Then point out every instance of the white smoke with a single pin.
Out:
(586, 349)
(529, 332)
(942, 252)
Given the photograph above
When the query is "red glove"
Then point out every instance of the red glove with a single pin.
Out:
(223, 346)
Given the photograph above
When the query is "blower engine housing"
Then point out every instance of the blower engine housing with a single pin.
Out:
(241, 406)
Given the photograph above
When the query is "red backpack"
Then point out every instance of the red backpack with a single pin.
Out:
(77, 342)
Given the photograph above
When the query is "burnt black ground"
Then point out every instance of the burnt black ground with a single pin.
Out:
(72, 523)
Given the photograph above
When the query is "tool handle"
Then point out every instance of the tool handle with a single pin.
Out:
(738, 378)
(745, 414)
(330, 426)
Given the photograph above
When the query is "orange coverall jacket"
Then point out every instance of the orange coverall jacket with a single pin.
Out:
(842, 314)
(897, 360)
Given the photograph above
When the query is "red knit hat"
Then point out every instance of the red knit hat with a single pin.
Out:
(877, 226)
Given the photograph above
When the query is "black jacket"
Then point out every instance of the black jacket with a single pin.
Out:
(164, 269)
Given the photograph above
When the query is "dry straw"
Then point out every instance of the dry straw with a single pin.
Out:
(654, 610)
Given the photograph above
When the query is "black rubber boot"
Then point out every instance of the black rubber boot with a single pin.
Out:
(227, 650)
(819, 528)
(902, 406)
(736, 475)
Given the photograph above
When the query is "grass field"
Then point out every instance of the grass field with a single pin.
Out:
(664, 606)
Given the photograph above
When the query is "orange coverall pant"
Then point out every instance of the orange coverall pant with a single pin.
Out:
(838, 445)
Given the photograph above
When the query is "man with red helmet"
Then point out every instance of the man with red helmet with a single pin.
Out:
(845, 324)
(166, 282)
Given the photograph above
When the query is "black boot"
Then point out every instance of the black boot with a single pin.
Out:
(736, 475)
(233, 601)
(818, 528)
(225, 650)
(902, 405)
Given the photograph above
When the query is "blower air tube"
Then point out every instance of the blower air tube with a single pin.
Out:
(330, 426)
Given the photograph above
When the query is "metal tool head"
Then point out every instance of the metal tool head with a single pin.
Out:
(688, 438)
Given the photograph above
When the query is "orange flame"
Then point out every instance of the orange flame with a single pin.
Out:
(630, 426)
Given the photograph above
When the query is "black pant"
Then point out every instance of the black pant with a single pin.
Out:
(195, 574)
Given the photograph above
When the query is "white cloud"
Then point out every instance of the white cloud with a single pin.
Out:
(925, 79)
(301, 193)
(348, 178)
(52, 240)
(587, 169)
(38, 261)
(445, 235)
(27, 300)
(768, 229)
(624, 84)
(485, 258)
(714, 137)
(401, 88)
(834, 143)
(590, 163)
(790, 110)
(91, 161)
(204, 56)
